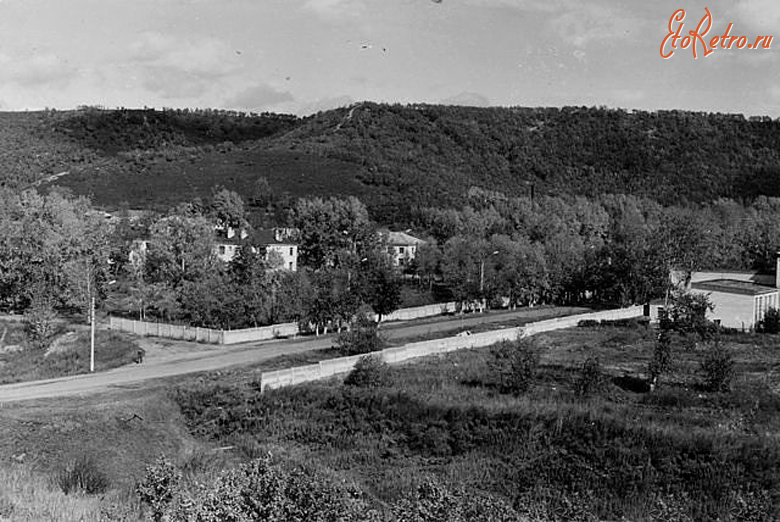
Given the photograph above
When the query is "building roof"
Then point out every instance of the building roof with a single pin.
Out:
(273, 236)
(401, 238)
(730, 286)
(262, 237)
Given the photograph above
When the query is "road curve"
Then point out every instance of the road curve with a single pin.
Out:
(198, 358)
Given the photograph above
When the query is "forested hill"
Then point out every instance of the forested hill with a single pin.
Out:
(440, 151)
(394, 157)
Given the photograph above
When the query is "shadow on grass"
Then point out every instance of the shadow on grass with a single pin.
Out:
(632, 384)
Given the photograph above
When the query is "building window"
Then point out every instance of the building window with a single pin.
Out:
(401, 250)
(291, 251)
(222, 249)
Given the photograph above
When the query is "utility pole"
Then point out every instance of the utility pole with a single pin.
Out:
(92, 333)
(482, 280)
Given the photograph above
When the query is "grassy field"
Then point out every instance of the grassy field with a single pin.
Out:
(69, 354)
(678, 454)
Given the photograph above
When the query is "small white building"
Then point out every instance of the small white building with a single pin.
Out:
(739, 298)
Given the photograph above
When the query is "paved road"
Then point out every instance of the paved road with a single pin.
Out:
(167, 358)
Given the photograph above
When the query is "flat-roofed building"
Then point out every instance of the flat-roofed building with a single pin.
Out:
(737, 304)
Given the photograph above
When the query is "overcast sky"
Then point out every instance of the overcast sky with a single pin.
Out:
(301, 56)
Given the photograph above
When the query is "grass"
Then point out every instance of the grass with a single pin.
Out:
(27, 495)
(676, 454)
(119, 433)
(112, 350)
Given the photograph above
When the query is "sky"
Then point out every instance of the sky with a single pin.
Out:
(303, 56)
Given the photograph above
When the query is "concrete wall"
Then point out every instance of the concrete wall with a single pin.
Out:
(262, 333)
(168, 331)
(325, 369)
(417, 312)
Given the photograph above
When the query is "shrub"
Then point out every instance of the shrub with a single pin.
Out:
(82, 474)
(588, 323)
(770, 324)
(364, 337)
(159, 486)
(661, 362)
(718, 368)
(514, 365)
(261, 491)
(432, 502)
(591, 378)
(369, 372)
(39, 323)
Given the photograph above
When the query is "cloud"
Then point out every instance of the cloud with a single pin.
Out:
(629, 96)
(467, 99)
(335, 10)
(39, 69)
(324, 104)
(759, 14)
(580, 24)
(259, 97)
(182, 68)
(207, 57)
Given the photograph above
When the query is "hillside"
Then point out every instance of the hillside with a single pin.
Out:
(669, 156)
(395, 157)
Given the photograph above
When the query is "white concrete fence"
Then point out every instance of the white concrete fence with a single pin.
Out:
(203, 335)
(329, 368)
(263, 333)
(418, 312)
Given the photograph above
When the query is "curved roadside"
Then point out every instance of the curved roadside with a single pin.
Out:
(169, 358)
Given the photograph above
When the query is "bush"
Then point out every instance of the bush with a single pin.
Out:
(39, 323)
(661, 362)
(588, 323)
(718, 368)
(592, 378)
(369, 372)
(159, 487)
(770, 324)
(514, 365)
(434, 502)
(82, 474)
(364, 337)
(261, 491)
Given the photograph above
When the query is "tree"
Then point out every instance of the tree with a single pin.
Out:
(427, 263)
(514, 365)
(380, 286)
(227, 207)
(363, 337)
(262, 194)
(328, 226)
(181, 248)
(718, 367)
(688, 313)
(662, 361)
(461, 267)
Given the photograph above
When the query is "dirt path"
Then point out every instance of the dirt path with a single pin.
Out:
(167, 358)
